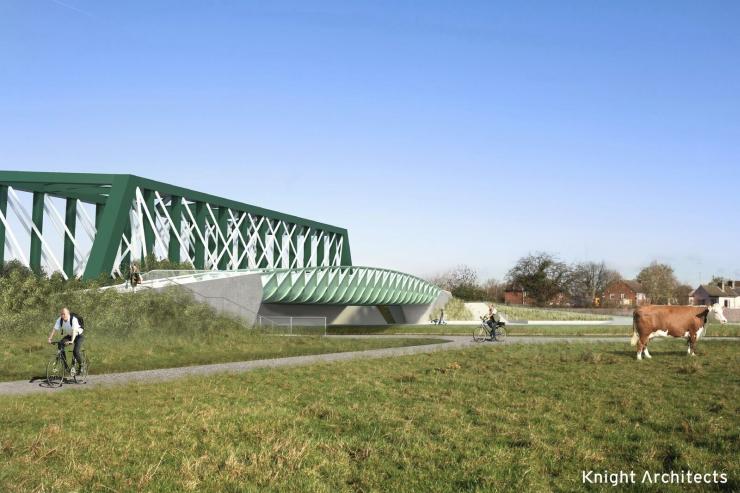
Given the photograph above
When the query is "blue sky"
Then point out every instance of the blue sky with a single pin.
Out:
(438, 133)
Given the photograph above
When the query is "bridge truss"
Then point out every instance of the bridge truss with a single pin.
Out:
(110, 220)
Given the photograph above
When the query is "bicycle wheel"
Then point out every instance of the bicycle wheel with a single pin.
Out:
(500, 334)
(480, 334)
(55, 372)
(81, 376)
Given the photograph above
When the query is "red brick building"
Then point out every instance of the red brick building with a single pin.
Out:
(515, 296)
(624, 293)
(518, 296)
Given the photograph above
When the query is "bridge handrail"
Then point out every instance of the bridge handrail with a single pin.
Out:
(338, 267)
(166, 272)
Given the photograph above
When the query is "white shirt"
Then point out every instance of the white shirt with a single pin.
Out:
(70, 327)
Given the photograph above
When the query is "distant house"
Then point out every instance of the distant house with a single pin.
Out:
(624, 293)
(726, 293)
(516, 296)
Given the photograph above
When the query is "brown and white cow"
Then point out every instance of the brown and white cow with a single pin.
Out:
(678, 321)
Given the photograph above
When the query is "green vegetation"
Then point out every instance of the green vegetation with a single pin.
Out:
(713, 330)
(151, 262)
(491, 418)
(512, 312)
(514, 330)
(455, 310)
(25, 357)
(137, 331)
(31, 303)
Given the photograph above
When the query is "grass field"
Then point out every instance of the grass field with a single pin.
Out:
(456, 310)
(492, 418)
(25, 356)
(512, 312)
(713, 330)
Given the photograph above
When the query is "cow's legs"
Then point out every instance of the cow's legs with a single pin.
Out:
(692, 344)
(642, 347)
(646, 352)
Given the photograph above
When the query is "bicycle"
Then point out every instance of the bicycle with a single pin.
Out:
(59, 372)
(483, 332)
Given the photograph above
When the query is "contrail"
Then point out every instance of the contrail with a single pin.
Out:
(70, 7)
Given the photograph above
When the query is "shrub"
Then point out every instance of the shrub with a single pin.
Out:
(151, 262)
(469, 293)
(455, 310)
(30, 303)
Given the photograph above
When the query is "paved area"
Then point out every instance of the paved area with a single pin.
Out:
(449, 342)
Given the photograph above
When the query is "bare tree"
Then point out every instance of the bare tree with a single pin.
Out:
(659, 283)
(462, 275)
(588, 280)
(462, 282)
(494, 290)
(541, 275)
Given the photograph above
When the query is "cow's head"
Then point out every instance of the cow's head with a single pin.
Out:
(716, 310)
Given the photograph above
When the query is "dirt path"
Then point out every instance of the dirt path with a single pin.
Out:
(449, 342)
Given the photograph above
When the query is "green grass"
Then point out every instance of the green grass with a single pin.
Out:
(455, 310)
(713, 330)
(25, 356)
(492, 418)
(512, 312)
(429, 329)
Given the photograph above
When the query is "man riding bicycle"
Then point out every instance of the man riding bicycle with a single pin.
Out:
(72, 333)
(494, 319)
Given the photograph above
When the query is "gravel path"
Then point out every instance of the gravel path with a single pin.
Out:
(450, 342)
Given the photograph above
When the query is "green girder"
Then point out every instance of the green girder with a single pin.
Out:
(113, 195)
(242, 235)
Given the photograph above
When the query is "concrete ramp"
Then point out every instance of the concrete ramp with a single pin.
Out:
(234, 293)
(479, 309)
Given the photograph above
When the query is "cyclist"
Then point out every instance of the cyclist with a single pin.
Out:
(72, 333)
(494, 319)
(135, 277)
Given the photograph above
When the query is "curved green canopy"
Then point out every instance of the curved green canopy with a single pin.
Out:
(345, 285)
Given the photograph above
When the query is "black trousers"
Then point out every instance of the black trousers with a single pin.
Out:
(75, 350)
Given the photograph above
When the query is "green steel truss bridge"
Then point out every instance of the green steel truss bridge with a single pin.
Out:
(88, 225)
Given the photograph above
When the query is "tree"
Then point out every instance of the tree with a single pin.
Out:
(588, 280)
(462, 282)
(681, 294)
(659, 283)
(541, 275)
(15, 266)
(494, 290)
(151, 262)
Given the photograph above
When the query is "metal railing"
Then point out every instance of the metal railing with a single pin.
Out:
(293, 325)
